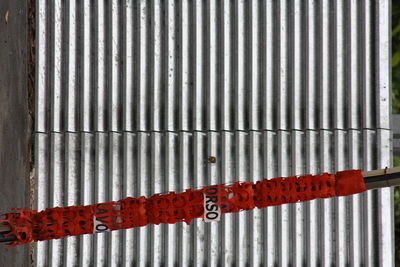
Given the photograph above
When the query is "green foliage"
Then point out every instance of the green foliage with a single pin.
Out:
(396, 57)
(396, 163)
(396, 83)
(396, 110)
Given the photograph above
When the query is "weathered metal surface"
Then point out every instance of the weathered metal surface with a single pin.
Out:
(134, 97)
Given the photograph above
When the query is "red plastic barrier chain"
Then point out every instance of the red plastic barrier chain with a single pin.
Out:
(53, 223)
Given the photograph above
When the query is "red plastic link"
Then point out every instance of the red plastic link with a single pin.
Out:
(54, 223)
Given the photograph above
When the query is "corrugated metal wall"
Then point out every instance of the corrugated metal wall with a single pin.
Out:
(133, 97)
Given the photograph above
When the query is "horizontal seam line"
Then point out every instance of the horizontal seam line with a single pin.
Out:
(220, 131)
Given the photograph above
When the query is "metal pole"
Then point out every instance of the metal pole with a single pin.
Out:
(382, 178)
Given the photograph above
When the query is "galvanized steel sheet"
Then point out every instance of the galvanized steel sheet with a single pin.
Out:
(134, 97)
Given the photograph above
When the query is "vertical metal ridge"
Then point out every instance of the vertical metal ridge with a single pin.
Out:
(172, 119)
(256, 247)
(369, 208)
(185, 99)
(72, 176)
(382, 34)
(324, 64)
(86, 70)
(157, 186)
(296, 48)
(242, 242)
(313, 242)
(185, 182)
(172, 183)
(311, 208)
(113, 59)
(256, 235)
(200, 256)
(156, 83)
(254, 48)
(213, 229)
(86, 67)
(326, 224)
(241, 65)
(198, 65)
(42, 196)
(101, 194)
(296, 62)
(354, 201)
(384, 214)
(326, 205)
(369, 239)
(57, 187)
(211, 62)
(339, 122)
(340, 203)
(282, 97)
(142, 61)
(311, 67)
(57, 177)
(227, 60)
(298, 222)
(87, 193)
(269, 55)
(143, 189)
(101, 107)
(41, 66)
(130, 145)
(71, 102)
(128, 65)
(285, 233)
(56, 106)
(339, 66)
(228, 175)
(115, 185)
(171, 98)
(271, 256)
(283, 122)
(352, 63)
(367, 65)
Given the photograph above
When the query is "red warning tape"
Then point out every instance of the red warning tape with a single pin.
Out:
(207, 203)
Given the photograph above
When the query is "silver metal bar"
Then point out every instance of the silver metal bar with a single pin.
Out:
(42, 196)
(101, 194)
(87, 70)
(130, 189)
(57, 98)
(87, 192)
(157, 185)
(71, 103)
(71, 197)
(115, 182)
(142, 83)
(186, 173)
(100, 72)
(143, 176)
(57, 185)
(42, 74)
(256, 216)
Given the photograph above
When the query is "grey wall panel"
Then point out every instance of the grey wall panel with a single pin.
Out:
(335, 230)
(262, 65)
(142, 97)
